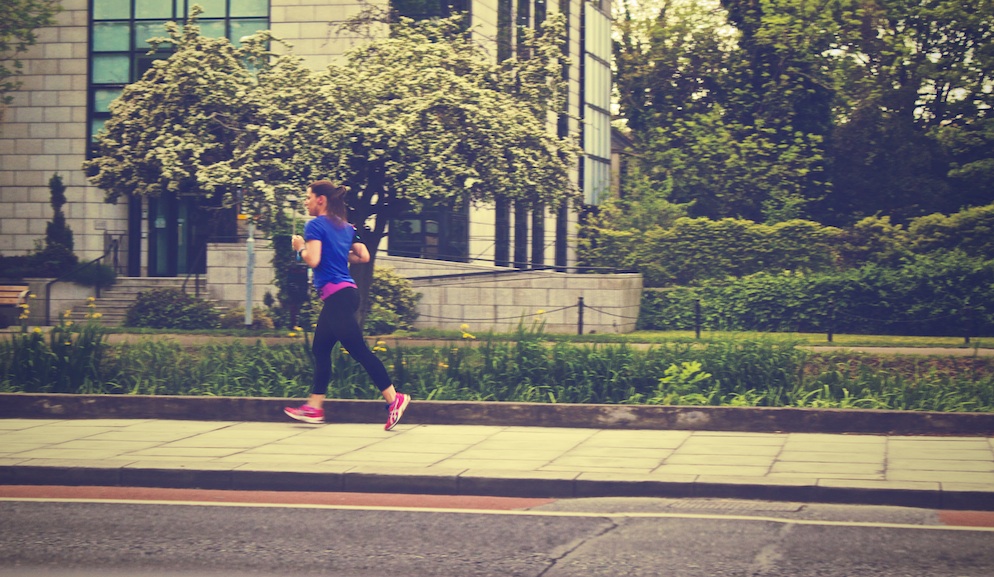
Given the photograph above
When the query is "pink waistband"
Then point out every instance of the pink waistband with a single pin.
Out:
(333, 287)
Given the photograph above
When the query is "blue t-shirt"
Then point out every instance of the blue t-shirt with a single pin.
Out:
(336, 241)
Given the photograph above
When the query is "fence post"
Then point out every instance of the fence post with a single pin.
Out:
(697, 318)
(968, 324)
(579, 323)
(831, 318)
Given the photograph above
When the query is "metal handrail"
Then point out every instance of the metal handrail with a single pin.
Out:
(48, 286)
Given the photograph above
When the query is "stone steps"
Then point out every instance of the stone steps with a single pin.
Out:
(114, 302)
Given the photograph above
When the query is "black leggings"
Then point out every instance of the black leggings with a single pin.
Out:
(337, 323)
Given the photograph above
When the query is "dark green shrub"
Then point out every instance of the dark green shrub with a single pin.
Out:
(53, 261)
(95, 275)
(942, 294)
(171, 308)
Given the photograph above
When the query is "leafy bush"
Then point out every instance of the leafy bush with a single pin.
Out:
(170, 308)
(393, 303)
(235, 319)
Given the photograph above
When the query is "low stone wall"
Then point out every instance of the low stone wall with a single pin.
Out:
(64, 296)
(499, 299)
(485, 298)
(226, 273)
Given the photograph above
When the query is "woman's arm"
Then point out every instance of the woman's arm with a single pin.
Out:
(359, 253)
(310, 252)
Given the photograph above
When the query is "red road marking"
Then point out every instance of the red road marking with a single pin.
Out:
(967, 518)
(275, 497)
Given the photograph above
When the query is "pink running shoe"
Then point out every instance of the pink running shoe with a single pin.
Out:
(306, 413)
(396, 410)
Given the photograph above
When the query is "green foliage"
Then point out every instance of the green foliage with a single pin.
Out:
(94, 275)
(733, 372)
(235, 319)
(970, 230)
(394, 303)
(170, 308)
(57, 232)
(944, 293)
(873, 240)
(697, 249)
(69, 360)
(834, 111)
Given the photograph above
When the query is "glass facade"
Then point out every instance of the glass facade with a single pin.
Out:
(120, 30)
(596, 89)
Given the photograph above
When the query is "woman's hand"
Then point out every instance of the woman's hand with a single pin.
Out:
(297, 241)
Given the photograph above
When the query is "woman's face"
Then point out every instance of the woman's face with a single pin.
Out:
(312, 203)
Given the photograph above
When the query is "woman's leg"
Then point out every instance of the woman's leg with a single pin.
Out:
(347, 331)
(322, 345)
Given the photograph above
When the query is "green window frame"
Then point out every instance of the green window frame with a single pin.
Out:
(119, 29)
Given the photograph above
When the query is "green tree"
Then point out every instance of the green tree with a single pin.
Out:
(21, 19)
(914, 135)
(419, 115)
(730, 120)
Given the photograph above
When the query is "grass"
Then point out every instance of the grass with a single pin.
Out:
(659, 337)
(525, 366)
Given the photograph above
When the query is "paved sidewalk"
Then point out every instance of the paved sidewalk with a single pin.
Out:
(935, 472)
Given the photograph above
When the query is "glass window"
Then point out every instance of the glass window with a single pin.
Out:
(212, 8)
(153, 9)
(102, 97)
(111, 36)
(111, 68)
(121, 29)
(250, 8)
(146, 30)
(96, 125)
(212, 29)
(241, 28)
(111, 9)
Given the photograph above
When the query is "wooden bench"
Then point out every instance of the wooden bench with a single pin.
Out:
(11, 296)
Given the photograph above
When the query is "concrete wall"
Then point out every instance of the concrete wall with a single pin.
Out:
(227, 273)
(498, 299)
(497, 302)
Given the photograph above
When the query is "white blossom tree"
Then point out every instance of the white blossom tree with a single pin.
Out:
(419, 115)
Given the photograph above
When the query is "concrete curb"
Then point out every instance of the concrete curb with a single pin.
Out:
(741, 419)
(510, 485)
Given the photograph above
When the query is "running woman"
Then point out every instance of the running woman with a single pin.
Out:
(328, 246)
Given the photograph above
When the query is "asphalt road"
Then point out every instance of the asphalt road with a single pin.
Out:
(410, 536)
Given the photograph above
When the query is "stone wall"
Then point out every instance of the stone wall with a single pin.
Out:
(485, 298)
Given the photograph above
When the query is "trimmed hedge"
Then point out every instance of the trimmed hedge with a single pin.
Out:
(940, 294)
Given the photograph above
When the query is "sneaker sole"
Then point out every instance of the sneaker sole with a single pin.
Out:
(403, 407)
(311, 420)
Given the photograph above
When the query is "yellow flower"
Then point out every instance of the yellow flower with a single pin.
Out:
(466, 335)
(68, 323)
(298, 329)
(443, 365)
(67, 314)
(291, 334)
(464, 327)
(90, 299)
(32, 296)
(540, 312)
(36, 330)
